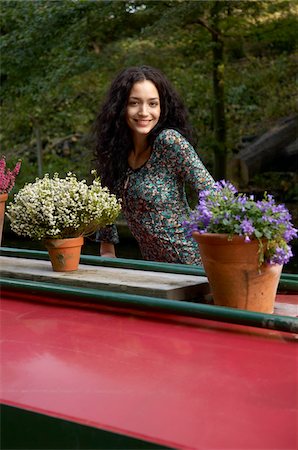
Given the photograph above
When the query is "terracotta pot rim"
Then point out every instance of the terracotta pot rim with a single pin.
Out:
(223, 237)
(3, 197)
(67, 242)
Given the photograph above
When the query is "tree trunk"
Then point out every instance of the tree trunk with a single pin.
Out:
(36, 130)
(220, 149)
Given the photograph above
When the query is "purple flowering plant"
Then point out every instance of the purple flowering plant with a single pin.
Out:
(224, 210)
(7, 176)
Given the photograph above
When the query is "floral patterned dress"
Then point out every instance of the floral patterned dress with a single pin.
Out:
(154, 201)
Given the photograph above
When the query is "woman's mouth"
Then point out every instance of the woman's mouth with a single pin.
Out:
(143, 123)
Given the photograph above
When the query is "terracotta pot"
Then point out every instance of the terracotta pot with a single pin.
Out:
(64, 253)
(3, 198)
(235, 278)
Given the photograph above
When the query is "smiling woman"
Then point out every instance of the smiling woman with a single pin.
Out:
(143, 147)
(142, 114)
(143, 108)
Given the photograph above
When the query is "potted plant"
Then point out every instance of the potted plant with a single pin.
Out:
(243, 244)
(61, 211)
(7, 181)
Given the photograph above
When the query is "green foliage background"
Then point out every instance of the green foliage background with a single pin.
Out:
(58, 58)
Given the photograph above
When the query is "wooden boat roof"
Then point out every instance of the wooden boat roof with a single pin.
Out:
(163, 377)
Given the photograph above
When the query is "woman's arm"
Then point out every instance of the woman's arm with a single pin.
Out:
(107, 237)
(107, 250)
(184, 159)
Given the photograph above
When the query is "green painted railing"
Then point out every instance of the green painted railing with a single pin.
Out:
(139, 302)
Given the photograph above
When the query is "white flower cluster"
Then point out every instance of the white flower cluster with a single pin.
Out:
(62, 208)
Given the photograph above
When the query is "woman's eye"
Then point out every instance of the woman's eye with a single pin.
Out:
(133, 103)
(153, 104)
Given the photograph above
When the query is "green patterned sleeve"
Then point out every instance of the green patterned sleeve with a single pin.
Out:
(107, 234)
(184, 160)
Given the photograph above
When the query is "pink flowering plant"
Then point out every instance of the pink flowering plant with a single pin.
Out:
(7, 176)
(224, 210)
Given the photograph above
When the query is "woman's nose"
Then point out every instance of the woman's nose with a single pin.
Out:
(143, 109)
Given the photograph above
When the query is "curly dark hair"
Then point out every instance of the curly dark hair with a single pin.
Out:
(111, 135)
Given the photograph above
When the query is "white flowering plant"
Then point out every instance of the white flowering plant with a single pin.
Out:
(58, 208)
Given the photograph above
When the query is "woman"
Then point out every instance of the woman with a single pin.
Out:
(144, 156)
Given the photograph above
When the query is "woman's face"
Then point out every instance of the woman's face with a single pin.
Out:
(143, 108)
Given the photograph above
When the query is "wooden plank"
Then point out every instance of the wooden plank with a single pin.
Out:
(148, 283)
(286, 305)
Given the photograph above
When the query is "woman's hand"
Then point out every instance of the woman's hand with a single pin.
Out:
(107, 250)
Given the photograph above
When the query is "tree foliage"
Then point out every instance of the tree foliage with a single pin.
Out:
(58, 57)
